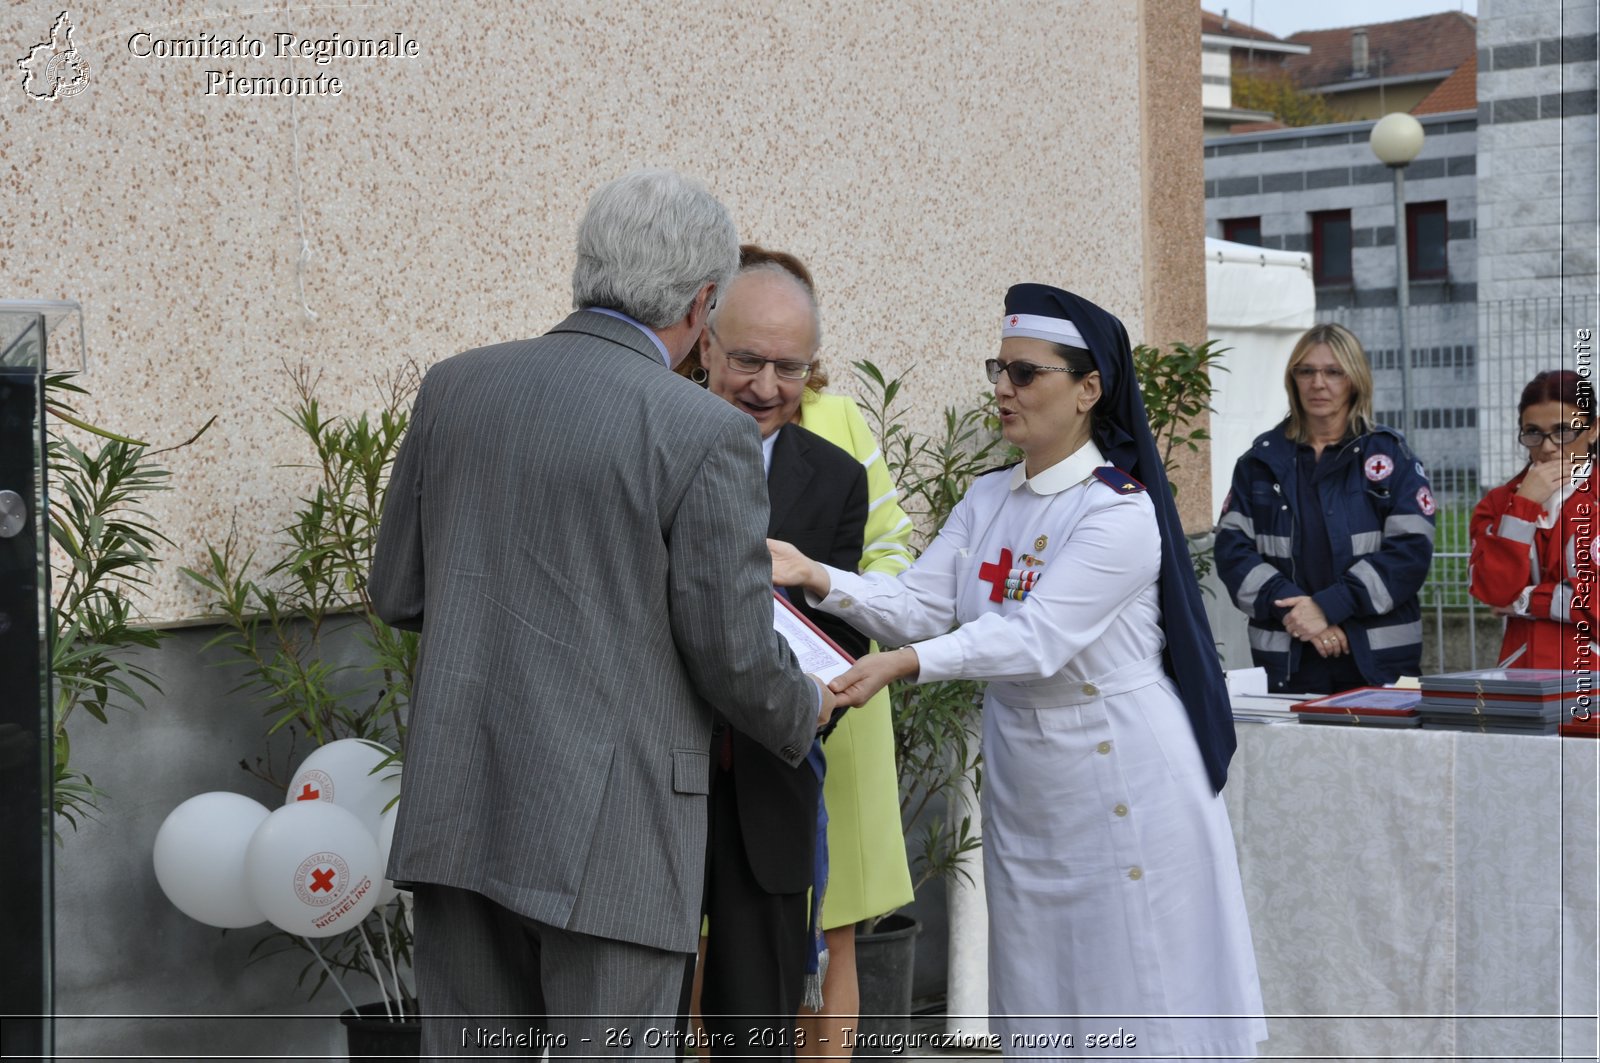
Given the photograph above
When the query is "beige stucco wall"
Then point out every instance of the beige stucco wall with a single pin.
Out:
(920, 157)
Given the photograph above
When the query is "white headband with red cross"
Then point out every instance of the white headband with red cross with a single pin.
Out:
(1037, 327)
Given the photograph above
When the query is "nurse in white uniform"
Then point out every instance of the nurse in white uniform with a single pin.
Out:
(1116, 917)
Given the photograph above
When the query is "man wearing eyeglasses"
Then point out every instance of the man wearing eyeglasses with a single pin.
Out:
(758, 351)
(588, 570)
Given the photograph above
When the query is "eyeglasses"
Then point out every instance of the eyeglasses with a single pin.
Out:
(745, 362)
(1308, 373)
(1023, 373)
(1560, 436)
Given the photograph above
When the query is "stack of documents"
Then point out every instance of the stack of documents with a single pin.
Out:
(1247, 693)
(1503, 700)
(1363, 707)
(1264, 708)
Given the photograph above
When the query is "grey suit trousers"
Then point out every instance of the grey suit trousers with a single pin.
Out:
(501, 985)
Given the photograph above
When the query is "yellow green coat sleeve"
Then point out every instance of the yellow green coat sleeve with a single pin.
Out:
(868, 874)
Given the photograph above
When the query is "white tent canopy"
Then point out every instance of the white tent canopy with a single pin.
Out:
(1258, 302)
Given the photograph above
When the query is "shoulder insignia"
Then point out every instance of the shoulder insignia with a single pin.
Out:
(1114, 477)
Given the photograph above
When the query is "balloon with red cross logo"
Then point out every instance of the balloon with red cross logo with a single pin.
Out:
(347, 773)
(199, 858)
(312, 867)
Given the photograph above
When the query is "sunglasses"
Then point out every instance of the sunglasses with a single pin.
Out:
(1023, 373)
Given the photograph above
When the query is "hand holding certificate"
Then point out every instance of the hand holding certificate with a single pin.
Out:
(817, 653)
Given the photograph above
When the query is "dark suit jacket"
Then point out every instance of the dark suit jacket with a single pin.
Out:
(818, 496)
(579, 535)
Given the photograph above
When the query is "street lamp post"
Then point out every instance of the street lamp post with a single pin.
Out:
(1396, 140)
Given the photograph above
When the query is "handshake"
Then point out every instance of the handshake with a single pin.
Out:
(864, 678)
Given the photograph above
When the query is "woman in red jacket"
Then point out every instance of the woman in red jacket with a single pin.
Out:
(1534, 539)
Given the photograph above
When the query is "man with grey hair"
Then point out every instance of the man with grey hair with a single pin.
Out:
(578, 533)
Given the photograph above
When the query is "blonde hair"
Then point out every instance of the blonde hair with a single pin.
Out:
(1348, 352)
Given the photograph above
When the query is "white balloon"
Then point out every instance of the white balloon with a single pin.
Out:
(387, 891)
(341, 772)
(313, 869)
(199, 858)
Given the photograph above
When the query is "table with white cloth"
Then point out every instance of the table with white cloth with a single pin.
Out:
(1416, 894)
(1439, 887)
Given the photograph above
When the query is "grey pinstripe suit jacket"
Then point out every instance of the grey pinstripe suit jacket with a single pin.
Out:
(579, 535)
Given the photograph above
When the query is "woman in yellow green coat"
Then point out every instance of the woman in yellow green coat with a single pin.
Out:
(867, 871)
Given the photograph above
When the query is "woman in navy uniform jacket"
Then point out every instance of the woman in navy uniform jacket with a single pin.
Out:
(1327, 534)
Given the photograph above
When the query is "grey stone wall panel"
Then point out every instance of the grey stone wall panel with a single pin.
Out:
(1513, 56)
(1533, 21)
(1238, 186)
(1329, 178)
(1516, 109)
(1560, 105)
(1525, 81)
(1287, 144)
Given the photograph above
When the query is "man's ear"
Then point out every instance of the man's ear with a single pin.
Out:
(700, 308)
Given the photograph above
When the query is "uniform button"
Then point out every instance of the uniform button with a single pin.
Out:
(1090, 690)
(1103, 747)
(1121, 810)
(845, 603)
(1135, 874)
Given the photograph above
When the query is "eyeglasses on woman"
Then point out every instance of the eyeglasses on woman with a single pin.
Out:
(1561, 435)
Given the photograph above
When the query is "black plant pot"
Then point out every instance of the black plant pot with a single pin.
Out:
(372, 1036)
(885, 959)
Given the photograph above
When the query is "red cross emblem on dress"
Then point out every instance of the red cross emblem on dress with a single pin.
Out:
(996, 574)
(1014, 320)
(1378, 467)
(1008, 582)
(1425, 501)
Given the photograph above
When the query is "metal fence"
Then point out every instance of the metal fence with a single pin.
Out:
(1469, 362)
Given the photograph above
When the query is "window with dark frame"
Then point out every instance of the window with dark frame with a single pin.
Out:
(1330, 247)
(1242, 230)
(1427, 237)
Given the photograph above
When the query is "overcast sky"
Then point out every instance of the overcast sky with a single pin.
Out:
(1283, 17)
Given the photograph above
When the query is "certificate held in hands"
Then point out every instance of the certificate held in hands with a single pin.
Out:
(817, 653)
